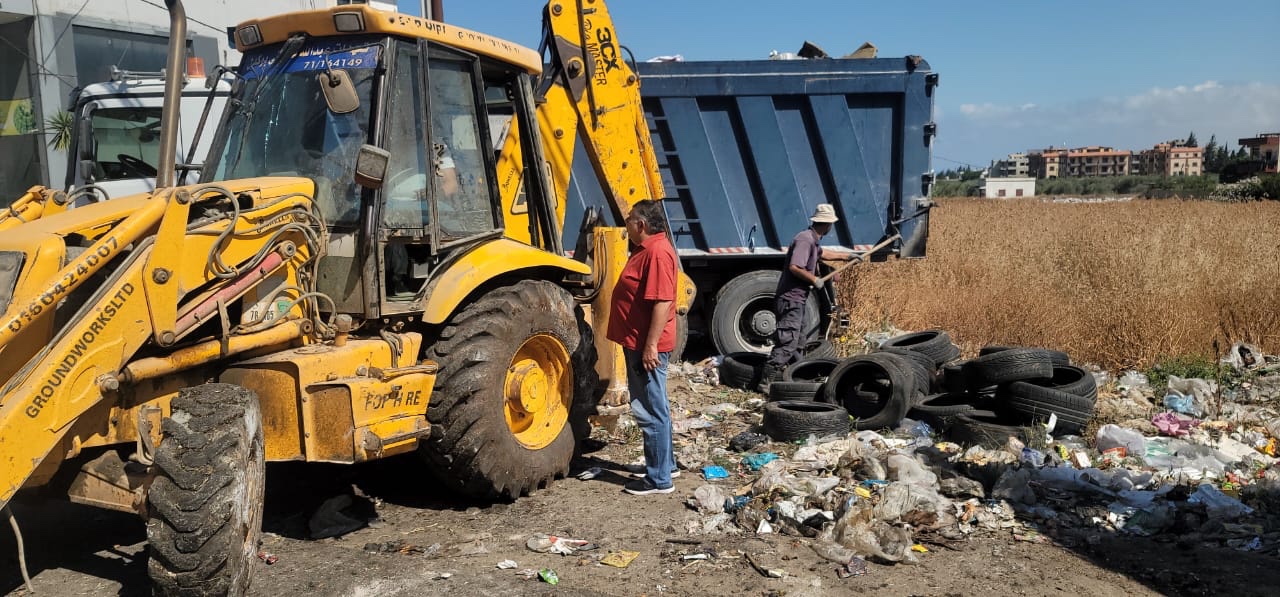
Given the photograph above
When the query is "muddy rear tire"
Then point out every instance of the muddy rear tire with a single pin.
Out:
(205, 505)
(512, 365)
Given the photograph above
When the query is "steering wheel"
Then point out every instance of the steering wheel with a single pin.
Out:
(136, 165)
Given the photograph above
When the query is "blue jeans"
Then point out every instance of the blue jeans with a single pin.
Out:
(653, 415)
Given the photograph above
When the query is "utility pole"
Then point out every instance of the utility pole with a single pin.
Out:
(433, 9)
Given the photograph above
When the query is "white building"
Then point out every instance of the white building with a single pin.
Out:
(51, 48)
(1006, 188)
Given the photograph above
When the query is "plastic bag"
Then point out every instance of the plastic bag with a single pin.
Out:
(905, 469)
(1133, 380)
(1200, 392)
(1114, 436)
(1219, 505)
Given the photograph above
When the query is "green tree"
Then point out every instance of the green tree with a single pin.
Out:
(1210, 151)
(1191, 140)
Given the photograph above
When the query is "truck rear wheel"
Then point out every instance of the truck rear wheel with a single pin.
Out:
(205, 505)
(743, 320)
(511, 365)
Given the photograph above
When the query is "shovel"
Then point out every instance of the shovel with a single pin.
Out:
(858, 259)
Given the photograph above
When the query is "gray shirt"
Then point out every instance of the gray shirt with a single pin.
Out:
(803, 252)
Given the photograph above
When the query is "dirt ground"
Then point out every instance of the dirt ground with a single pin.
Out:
(424, 541)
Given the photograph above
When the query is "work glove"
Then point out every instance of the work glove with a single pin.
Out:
(818, 283)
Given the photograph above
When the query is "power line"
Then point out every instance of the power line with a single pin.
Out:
(945, 159)
(192, 19)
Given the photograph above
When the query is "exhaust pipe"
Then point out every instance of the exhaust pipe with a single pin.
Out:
(174, 67)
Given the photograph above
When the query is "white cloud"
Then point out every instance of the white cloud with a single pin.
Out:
(985, 131)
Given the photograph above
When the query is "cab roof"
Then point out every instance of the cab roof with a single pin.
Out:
(324, 23)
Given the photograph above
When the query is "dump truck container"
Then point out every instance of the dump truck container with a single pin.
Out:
(747, 149)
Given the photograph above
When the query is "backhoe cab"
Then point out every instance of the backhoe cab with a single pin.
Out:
(370, 265)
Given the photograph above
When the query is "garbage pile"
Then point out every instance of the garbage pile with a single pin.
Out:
(881, 457)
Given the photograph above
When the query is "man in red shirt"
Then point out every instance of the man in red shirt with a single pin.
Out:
(642, 319)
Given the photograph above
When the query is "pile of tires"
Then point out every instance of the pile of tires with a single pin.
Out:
(1005, 391)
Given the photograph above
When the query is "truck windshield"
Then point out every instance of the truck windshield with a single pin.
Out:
(281, 125)
(127, 142)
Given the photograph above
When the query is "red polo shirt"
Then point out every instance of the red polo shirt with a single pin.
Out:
(649, 277)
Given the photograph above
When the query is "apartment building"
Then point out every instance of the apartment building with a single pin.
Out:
(1264, 147)
(1096, 160)
(1045, 163)
(1172, 158)
(1016, 165)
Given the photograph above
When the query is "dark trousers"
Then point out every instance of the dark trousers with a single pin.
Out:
(789, 335)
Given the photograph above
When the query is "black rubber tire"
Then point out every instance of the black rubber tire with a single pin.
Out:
(794, 390)
(205, 505)
(742, 370)
(1006, 366)
(810, 370)
(945, 405)
(471, 449)
(1057, 356)
(792, 420)
(854, 376)
(926, 371)
(985, 428)
(953, 378)
(1070, 395)
(587, 390)
(682, 338)
(934, 343)
(818, 349)
(742, 319)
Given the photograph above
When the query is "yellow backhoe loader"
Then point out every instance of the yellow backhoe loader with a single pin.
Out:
(371, 265)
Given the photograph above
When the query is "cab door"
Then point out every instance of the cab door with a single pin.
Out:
(439, 195)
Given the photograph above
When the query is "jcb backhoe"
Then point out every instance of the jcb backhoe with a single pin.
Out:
(372, 265)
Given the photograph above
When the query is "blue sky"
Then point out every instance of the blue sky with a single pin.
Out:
(1014, 75)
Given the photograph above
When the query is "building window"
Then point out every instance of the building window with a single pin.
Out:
(1018, 192)
(1000, 193)
(97, 50)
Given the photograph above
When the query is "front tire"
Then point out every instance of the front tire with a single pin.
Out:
(512, 365)
(205, 505)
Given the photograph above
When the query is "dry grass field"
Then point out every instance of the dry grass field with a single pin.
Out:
(1114, 284)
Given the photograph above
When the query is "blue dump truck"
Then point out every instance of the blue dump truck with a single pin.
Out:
(747, 149)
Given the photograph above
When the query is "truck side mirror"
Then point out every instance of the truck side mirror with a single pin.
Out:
(371, 166)
(86, 149)
(86, 171)
(339, 92)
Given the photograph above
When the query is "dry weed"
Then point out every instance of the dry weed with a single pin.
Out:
(1115, 284)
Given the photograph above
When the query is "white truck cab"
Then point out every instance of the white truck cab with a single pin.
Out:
(116, 138)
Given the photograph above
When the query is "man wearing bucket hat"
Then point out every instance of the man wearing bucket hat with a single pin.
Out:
(798, 278)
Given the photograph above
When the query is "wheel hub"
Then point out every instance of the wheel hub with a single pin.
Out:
(764, 323)
(538, 391)
(527, 388)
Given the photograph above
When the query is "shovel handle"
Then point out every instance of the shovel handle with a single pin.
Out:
(884, 243)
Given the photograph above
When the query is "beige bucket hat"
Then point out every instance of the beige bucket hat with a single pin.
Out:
(824, 214)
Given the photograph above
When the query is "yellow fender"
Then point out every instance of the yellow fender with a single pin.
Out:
(486, 262)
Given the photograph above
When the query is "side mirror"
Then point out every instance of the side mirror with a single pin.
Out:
(339, 91)
(86, 171)
(371, 166)
(86, 145)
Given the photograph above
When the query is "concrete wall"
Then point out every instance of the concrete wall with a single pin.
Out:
(1010, 187)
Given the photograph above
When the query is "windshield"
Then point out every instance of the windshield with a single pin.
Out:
(127, 142)
(283, 127)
